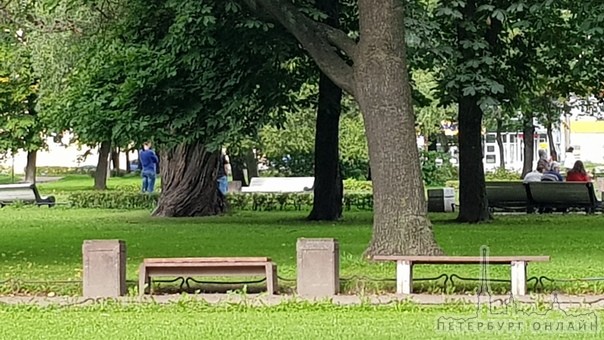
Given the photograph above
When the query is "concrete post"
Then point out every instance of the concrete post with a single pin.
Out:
(318, 267)
(104, 268)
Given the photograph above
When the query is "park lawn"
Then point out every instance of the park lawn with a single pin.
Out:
(196, 320)
(71, 183)
(39, 244)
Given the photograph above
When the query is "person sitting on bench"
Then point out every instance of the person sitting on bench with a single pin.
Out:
(552, 175)
(535, 176)
(578, 173)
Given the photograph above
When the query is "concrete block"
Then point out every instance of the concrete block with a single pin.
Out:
(318, 267)
(104, 273)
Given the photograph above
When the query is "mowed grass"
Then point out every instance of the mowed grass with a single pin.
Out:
(195, 320)
(38, 244)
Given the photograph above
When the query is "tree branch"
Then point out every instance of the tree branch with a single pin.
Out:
(321, 41)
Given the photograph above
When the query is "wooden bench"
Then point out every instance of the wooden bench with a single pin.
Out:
(404, 268)
(208, 266)
(280, 185)
(564, 195)
(508, 196)
(26, 193)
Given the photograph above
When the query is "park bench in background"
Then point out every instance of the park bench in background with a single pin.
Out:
(208, 266)
(508, 196)
(26, 193)
(280, 185)
(564, 195)
(404, 268)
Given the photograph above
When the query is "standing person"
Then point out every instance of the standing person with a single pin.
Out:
(578, 173)
(148, 160)
(223, 170)
(569, 158)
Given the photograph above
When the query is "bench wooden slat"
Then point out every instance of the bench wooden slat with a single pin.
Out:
(462, 259)
(204, 264)
(201, 260)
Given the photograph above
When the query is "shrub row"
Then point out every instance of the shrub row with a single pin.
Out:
(361, 200)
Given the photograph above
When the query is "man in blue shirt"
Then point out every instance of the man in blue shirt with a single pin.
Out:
(148, 160)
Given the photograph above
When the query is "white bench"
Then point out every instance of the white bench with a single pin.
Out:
(26, 193)
(280, 184)
(404, 268)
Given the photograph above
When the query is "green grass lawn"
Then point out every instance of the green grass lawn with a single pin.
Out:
(194, 320)
(45, 244)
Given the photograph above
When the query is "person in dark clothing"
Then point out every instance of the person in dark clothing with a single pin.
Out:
(148, 160)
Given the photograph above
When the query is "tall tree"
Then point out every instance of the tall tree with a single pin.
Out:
(379, 81)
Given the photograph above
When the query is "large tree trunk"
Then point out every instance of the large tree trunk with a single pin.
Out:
(400, 223)
(500, 145)
(189, 182)
(529, 144)
(100, 174)
(251, 164)
(30, 167)
(473, 204)
(237, 164)
(328, 188)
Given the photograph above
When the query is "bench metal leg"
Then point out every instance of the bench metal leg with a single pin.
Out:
(404, 277)
(143, 279)
(518, 278)
(272, 284)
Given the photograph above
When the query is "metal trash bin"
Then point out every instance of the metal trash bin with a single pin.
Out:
(441, 200)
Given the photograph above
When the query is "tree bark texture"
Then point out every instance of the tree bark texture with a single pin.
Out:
(100, 174)
(329, 187)
(500, 145)
(400, 224)
(189, 182)
(127, 161)
(529, 145)
(473, 204)
(30, 167)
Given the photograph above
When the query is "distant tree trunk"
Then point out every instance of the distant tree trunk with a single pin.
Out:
(189, 182)
(529, 144)
(237, 163)
(30, 168)
(251, 164)
(473, 204)
(127, 152)
(328, 188)
(500, 144)
(100, 174)
(552, 145)
(115, 160)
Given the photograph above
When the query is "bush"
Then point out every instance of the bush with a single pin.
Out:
(63, 170)
(434, 172)
(114, 199)
(356, 185)
(126, 200)
(502, 174)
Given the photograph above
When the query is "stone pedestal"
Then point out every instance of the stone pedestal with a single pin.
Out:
(318, 267)
(104, 272)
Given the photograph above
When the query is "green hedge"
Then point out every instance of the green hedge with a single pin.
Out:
(362, 200)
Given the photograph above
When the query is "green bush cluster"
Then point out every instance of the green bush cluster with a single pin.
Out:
(502, 174)
(435, 173)
(127, 200)
(114, 199)
(63, 170)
